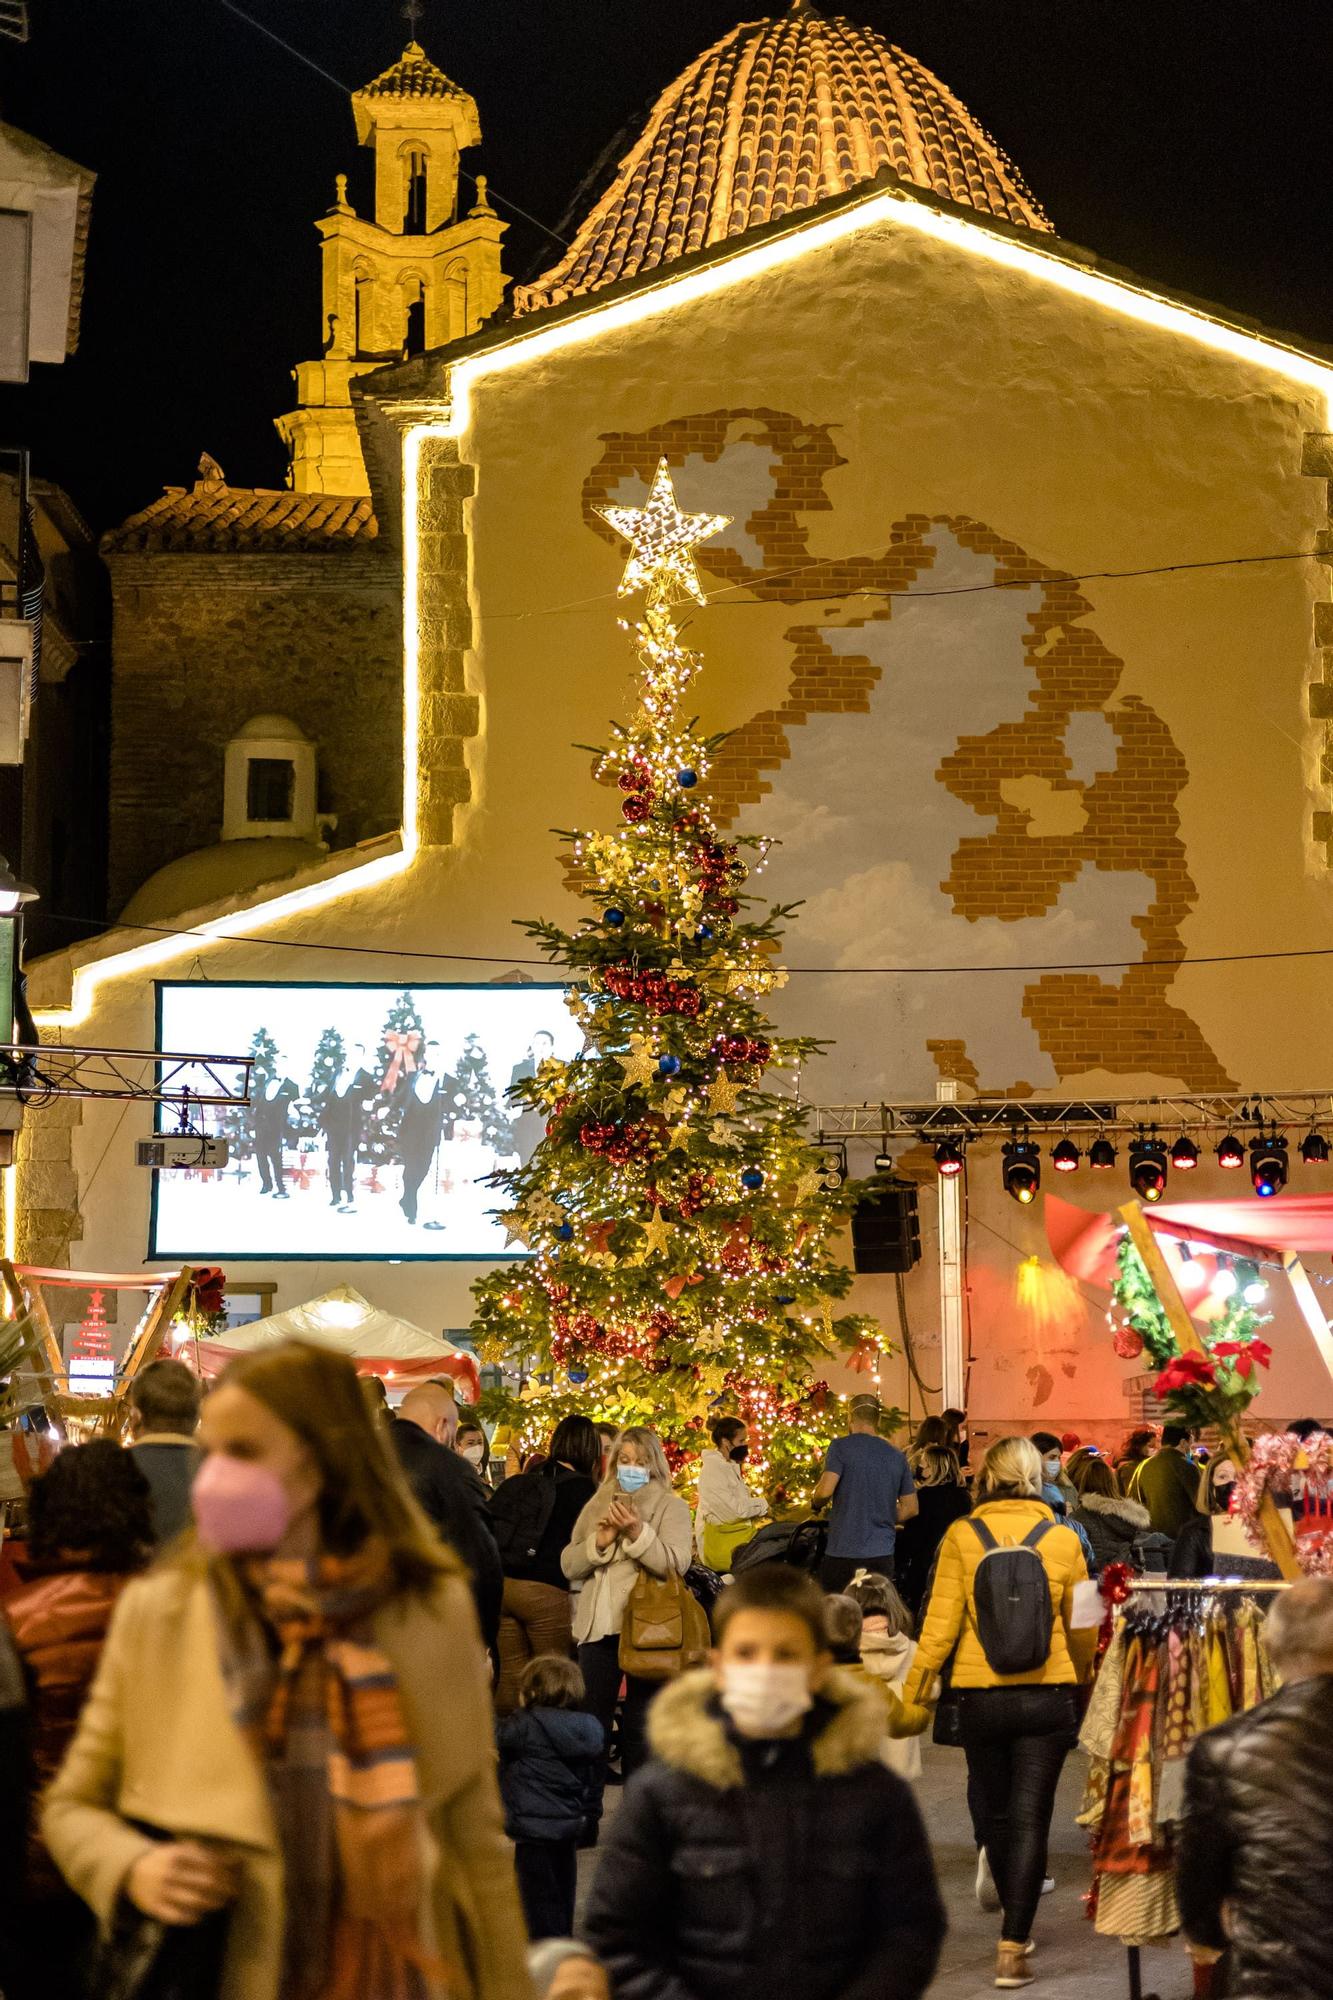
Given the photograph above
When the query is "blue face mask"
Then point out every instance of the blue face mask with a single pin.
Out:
(632, 1478)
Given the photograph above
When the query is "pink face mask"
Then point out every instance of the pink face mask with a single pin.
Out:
(239, 1508)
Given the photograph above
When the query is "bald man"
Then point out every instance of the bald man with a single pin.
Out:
(449, 1491)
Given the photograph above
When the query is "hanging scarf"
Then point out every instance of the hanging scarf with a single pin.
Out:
(328, 1726)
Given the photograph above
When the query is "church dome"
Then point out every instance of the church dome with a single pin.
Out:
(777, 116)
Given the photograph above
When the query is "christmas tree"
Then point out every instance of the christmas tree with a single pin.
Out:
(480, 1099)
(264, 1050)
(684, 1244)
(330, 1053)
(402, 1039)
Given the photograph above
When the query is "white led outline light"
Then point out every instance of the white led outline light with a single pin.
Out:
(618, 315)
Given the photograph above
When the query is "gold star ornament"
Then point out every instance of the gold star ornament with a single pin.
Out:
(663, 542)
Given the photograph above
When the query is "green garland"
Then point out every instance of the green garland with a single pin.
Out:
(1214, 1389)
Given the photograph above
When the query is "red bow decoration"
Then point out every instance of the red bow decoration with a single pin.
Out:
(675, 1286)
(402, 1044)
(599, 1237)
(1187, 1371)
(864, 1357)
(1244, 1353)
(210, 1287)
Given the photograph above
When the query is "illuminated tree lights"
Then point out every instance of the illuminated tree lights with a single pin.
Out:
(683, 1236)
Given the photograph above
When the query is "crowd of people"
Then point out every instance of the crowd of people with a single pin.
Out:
(301, 1699)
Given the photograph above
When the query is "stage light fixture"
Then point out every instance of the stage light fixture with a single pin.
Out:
(1101, 1155)
(1268, 1165)
(1147, 1169)
(884, 1163)
(833, 1171)
(948, 1159)
(1231, 1153)
(1184, 1154)
(1022, 1170)
(1065, 1157)
(1253, 1287)
(1314, 1149)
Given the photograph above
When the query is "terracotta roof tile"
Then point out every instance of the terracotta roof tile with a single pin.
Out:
(775, 117)
(413, 75)
(212, 517)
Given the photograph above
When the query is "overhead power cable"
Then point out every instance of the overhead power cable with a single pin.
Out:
(727, 591)
(262, 28)
(403, 953)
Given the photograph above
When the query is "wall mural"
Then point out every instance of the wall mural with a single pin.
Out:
(956, 782)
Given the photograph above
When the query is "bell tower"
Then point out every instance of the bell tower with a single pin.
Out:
(417, 276)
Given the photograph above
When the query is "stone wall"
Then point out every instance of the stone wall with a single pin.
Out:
(203, 642)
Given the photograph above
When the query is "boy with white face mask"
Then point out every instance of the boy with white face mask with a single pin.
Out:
(766, 1796)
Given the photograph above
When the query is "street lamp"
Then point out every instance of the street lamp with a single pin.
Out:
(13, 893)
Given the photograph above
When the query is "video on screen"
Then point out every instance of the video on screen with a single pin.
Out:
(376, 1114)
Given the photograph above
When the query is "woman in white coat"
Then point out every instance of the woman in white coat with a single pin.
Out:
(633, 1522)
(726, 1505)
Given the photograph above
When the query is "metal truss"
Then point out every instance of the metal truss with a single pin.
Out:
(147, 1076)
(1007, 1117)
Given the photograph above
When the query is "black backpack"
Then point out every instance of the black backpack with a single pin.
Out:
(800, 1544)
(1011, 1597)
(521, 1510)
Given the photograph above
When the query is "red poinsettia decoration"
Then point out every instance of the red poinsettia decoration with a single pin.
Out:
(1186, 1371)
(1244, 1353)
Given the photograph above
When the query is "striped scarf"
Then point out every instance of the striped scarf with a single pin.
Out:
(328, 1726)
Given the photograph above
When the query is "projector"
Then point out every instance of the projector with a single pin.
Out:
(181, 1149)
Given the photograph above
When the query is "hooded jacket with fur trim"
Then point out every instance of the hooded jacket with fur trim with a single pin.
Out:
(798, 1869)
(1112, 1526)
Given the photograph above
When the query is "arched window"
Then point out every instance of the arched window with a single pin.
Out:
(363, 333)
(414, 186)
(414, 315)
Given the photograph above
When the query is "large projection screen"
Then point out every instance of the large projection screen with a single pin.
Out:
(375, 1114)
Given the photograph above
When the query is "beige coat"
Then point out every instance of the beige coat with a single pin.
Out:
(157, 1743)
(607, 1576)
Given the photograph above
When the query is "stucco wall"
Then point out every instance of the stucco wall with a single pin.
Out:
(1054, 772)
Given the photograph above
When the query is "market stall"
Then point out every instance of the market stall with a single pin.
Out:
(342, 1319)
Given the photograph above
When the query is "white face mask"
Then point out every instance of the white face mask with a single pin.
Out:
(764, 1700)
(473, 1453)
(1051, 1468)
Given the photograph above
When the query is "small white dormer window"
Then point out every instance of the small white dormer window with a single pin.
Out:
(270, 782)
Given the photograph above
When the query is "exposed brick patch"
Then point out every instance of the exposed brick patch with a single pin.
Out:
(1317, 463)
(1129, 821)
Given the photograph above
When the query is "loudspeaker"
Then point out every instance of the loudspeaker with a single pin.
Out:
(886, 1228)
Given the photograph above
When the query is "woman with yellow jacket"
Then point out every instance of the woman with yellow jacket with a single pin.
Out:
(1017, 1727)
(285, 1758)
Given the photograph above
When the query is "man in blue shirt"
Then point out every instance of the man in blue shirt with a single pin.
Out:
(870, 1484)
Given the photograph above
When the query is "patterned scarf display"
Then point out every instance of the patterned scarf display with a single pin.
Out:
(326, 1721)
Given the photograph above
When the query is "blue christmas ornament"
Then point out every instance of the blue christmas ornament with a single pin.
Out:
(614, 917)
(687, 779)
(565, 1233)
(787, 1299)
(752, 1178)
(667, 1065)
(704, 932)
(578, 1376)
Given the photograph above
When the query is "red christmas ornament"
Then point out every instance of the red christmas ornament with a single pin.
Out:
(636, 808)
(1127, 1343)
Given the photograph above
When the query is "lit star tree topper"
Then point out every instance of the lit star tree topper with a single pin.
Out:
(684, 1245)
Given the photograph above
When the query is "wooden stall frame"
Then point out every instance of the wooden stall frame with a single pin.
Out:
(1276, 1534)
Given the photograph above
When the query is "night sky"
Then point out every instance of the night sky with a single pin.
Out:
(1186, 141)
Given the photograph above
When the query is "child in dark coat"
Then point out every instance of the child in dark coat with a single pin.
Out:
(766, 1850)
(550, 1765)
